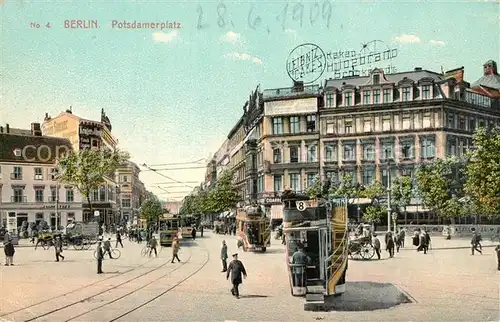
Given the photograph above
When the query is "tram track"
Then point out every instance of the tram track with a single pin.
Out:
(76, 290)
(86, 298)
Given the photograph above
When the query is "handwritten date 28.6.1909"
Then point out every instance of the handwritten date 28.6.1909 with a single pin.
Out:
(292, 15)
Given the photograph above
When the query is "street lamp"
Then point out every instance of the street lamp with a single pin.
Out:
(388, 191)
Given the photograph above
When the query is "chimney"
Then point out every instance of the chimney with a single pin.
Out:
(35, 129)
(7, 128)
(418, 69)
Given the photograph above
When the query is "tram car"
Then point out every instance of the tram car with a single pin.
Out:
(187, 223)
(169, 228)
(317, 239)
(253, 229)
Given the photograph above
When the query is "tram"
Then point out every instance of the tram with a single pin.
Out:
(254, 230)
(317, 238)
(187, 223)
(169, 228)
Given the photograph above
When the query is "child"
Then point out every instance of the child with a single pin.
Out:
(9, 253)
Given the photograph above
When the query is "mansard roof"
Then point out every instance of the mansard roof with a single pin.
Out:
(33, 149)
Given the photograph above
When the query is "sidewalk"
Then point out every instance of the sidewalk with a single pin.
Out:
(440, 242)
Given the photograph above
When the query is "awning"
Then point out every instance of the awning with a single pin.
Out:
(277, 212)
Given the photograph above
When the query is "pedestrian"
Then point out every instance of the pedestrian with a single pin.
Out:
(153, 243)
(58, 245)
(175, 249)
(475, 243)
(223, 256)
(201, 230)
(9, 251)
(376, 245)
(299, 262)
(107, 248)
(402, 236)
(236, 269)
(424, 241)
(118, 239)
(193, 233)
(100, 257)
(389, 244)
(497, 250)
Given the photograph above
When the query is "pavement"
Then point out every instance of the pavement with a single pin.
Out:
(444, 285)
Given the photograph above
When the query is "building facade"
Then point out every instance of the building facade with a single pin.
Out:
(89, 134)
(29, 187)
(130, 192)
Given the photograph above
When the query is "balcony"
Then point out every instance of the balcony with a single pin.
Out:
(290, 92)
(18, 199)
(16, 176)
(294, 165)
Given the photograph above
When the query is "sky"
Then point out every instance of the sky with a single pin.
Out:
(173, 95)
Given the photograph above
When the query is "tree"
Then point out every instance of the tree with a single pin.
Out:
(346, 188)
(483, 172)
(315, 191)
(151, 209)
(372, 192)
(401, 192)
(440, 187)
(87, 169)
(373, 213)
(223, 196)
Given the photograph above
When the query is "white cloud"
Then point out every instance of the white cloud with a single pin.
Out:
(165, 37)
(407, 39)
(243, 56)
(439, 43)
(230, 37)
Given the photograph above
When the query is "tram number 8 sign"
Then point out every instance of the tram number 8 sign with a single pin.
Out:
(301, 205)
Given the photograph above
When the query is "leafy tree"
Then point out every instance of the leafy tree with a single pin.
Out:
(315, 191)
(372, 192)
(223, 196)
(151, 209)
(346, 188)
(86, 169)
(401, 192)
(373, 213)
(439, 188)
(483, 172)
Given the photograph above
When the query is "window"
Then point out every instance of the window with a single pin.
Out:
(330, 127)
(312, 153)
(330, 100)
(472, 124)
(125, 179)
(368, 176)
(406, 122)
(366, 97)
(70, 195)
(482, 123)
(350, 152)
(17, 174)
(332, 176)
(294, 124)
(387, 95)
(388, 176)
(426, 92)
(95, 195)
(260, 184)
(367, 125)
(294, 154)
(95, 143)
(53, 194)
(451, 121)
(368, 152)
(102, 193)
(426, 120)
(54, 173)
(428, 148)
(376, 96)
(330, 152)
(387, 151)
(406, 94)
(126, 203)
(278, 183)
(386, 123)
(311, 123)
(38, 217)
(461, 123)
(277, 125)
(451, 146)
(407, 172)
(276, 155)
(407, 149)
(71, 217)
(39, 195)
(376, 79)
(38, 174)
(18, 195)
(311, 178)
(348, 127)
(348, 99)
(295, 182)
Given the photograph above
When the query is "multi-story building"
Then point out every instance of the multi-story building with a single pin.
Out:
(236, 153)
(88, 134)
(130, 192)
(29, 186)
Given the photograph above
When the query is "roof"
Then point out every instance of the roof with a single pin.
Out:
(32, 149)
(491, 81)
(392, 78)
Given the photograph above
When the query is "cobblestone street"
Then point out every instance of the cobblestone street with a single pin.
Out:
(446, 284)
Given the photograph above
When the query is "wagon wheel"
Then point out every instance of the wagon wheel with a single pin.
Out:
(367, 251)
(78, 244)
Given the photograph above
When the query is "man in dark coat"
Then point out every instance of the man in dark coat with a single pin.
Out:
(223, 256)
(9, 251)
(193, 233)
(236, 269)
(100, 257)
(389, 244)
(299, 262)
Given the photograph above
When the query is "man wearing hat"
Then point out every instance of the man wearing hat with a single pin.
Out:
(100, 257)
(236, 269)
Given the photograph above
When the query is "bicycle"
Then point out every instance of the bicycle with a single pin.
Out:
(114, 252)
(147, 251)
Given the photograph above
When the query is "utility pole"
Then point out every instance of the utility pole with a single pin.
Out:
(57, 204)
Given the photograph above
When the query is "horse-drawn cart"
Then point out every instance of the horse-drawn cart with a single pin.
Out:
(361, 248)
